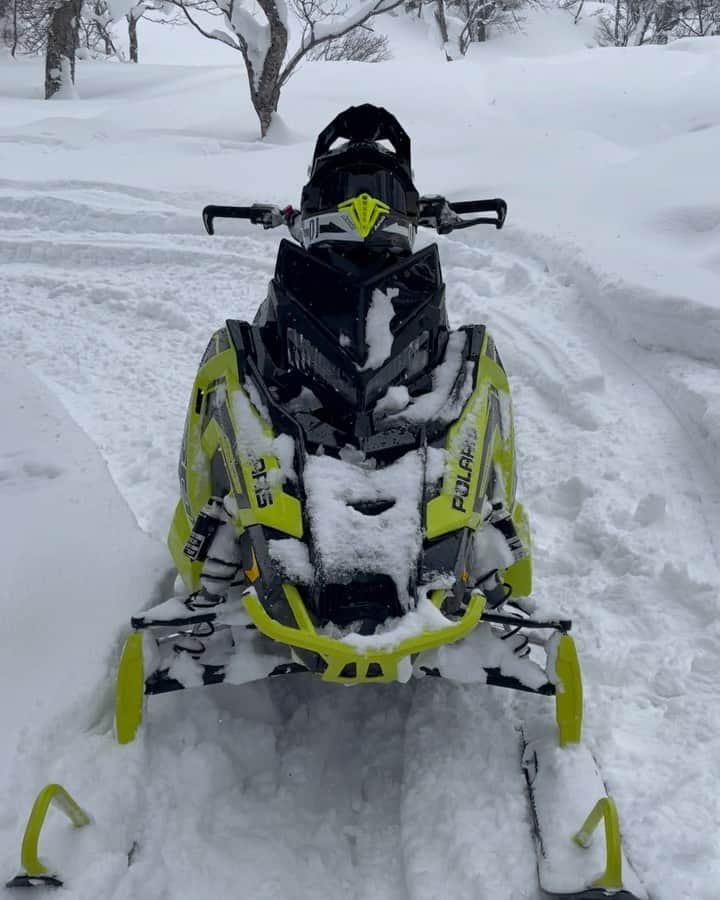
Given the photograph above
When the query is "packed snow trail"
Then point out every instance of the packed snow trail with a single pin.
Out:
(116, 319)
(396, 792)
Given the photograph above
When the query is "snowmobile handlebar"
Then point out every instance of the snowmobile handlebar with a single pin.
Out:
(264, 214)
(433, 212)
(445, 216)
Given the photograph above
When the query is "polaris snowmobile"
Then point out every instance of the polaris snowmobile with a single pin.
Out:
(348, 490)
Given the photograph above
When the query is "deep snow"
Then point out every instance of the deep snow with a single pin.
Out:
(602, 292)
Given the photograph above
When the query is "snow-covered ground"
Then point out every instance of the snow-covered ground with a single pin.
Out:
(603, 293)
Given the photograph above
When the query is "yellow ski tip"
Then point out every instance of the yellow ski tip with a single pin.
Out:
(130, 690)
(569, 694)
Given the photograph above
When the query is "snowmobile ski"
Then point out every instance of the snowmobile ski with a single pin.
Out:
(568, 801)
(35, 873)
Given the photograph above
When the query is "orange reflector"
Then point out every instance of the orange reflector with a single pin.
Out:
(253, 573)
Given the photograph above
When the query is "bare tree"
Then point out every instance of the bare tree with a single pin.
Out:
(95, 34)
(461, 23)
(359, 45)
(26, 25)
(264, 46)
(626, 23)
(133, 17)
(57, 29)
(631, 23)
(697, 18)
(30, 25)
(141, 10)
(482, 15)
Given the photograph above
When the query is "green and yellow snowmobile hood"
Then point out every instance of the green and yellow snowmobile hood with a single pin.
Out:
(231, 448)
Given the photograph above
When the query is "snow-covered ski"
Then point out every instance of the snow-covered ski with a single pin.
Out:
(569, 803)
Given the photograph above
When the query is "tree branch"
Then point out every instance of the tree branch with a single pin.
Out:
(342, 28)
(213, 35)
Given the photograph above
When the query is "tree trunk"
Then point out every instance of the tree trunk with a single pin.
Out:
(441, 20)
(6, 30)
(61, 46)
(265, 105)
(15, 33)
(132, 34)
(265, 85)
(4, 21)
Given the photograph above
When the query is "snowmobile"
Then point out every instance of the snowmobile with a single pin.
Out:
(348, 491)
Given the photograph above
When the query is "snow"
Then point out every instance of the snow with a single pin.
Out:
(561, 815)
(67, 588)
(118, 9)
(256, 35)
(395, 399)
(449, 393)
(435, 464)
(378, 335)
(464, 662)
(602, 293)
(181, 43)
(66, 89)
(293, 560)
(348, 540)
(491, 551)
(253, 437)
(426, 617)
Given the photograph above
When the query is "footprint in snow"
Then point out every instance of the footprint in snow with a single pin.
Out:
(650, 509)
(163, 313)
(693, 595)
(517, 278)
(669, 683)
(612, 549)
(13, 472)
(41, 470)
(565, 499)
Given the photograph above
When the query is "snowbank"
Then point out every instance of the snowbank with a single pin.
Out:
(75, 566)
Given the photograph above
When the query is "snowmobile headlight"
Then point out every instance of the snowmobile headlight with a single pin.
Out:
(404, 367)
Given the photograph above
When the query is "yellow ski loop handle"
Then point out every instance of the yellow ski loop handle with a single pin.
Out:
(611, 878)
(34, 871)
